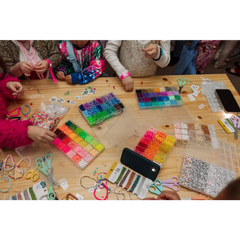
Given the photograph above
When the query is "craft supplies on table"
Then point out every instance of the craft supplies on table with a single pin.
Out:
(77, 145)
(37, 192)
(101, 109)
(182, 83)
(47, 170)
(128, 180)
(208, 170)
(158, 97)
(155, 145)
(48, 116)
(208, 89)
(63, 168)
(204, 177)
(169, 183)
(195, 134)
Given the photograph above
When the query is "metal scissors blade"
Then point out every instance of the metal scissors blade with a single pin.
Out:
(51, 178)
(169, 183)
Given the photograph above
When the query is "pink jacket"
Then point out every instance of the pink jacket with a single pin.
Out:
(13, 133)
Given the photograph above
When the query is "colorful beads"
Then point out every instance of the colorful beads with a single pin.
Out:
(155, 145)
(101, 109)
(73, 145)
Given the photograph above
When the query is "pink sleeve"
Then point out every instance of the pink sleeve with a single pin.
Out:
(13, 134)
(3, 89)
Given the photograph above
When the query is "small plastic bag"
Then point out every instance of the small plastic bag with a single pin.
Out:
(48, 116)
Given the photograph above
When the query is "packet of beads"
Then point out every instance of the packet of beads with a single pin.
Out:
(48, 116)
(155, 146)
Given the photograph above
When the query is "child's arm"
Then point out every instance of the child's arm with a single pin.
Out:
(110, 53)
(4, 90)
(54, 54)
(95, 69)
(164, 57)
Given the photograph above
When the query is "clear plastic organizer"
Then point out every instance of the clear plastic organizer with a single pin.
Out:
(62, 168)
(101, 109)
(158, 97)
(207, 170)
(195, 134)
(76, 144)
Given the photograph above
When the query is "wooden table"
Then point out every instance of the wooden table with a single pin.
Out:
(64, 168)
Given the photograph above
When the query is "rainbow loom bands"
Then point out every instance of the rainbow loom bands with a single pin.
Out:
(101, 109)
(76, 144)
(158, 97)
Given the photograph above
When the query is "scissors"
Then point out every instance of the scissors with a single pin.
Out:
(236, 122)
(32, 174)
(182, 83)
(158, 185)
(47, 171)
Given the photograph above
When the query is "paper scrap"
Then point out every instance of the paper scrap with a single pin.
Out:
(201, 106)
(191, 97)
(79, 196)
(64, 184)
(53, 99)
(72, 102)
(194, 87)
(61, 100)
(195, 93)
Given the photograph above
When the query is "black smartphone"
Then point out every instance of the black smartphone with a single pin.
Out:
(140, 164)
(227, 100)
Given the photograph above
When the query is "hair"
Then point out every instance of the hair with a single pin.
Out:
(3, 66)
(231, 192)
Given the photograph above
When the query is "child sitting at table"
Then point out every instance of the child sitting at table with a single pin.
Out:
(30, 59)
(14, 134)
(230, 192)
(82, 61)
(137, 58)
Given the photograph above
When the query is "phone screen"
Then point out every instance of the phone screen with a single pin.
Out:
(140, 164)
(228, 101)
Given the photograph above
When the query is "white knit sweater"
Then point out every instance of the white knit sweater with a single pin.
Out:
(114, 43)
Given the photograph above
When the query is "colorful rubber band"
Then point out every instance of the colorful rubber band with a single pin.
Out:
(127, 74)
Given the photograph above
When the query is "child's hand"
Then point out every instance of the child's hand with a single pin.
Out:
(16, 88)
(40, 135)
(151, 51)
(41, 67)
(166, 195)
(60, 75)
(68, 79)
(128, 83)
(26, 68)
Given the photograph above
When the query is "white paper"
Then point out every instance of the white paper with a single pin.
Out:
(64, 184)
(60, 100)
(144, 189)
(195, 93)
(139, 186)
(115, 174)
(53, 99)
(72, 102)
(191, 97)
(201, 106)
(194, 87)
(79, 197)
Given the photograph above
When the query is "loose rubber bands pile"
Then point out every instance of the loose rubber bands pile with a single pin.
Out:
(16, 115)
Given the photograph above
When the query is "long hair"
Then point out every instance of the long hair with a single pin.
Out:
(3, 66)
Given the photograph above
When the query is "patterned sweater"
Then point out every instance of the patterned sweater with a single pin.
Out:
(89, 59)
(10, 53)
(13, 133)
